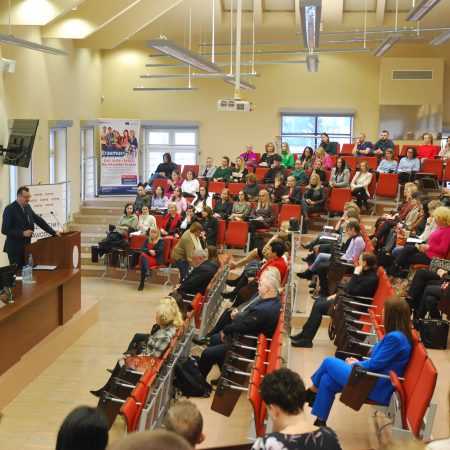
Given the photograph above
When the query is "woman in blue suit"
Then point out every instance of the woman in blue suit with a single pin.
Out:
(390, 353)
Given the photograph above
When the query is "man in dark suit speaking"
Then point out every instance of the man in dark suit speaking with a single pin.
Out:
(18, 226)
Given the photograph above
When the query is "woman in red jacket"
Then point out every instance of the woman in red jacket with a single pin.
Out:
(171, 220)
(427, 149)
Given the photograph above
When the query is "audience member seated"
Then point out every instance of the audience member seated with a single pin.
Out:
(388, 165)
(313, 199)
(164, 170)
(276, 169)
(83, 428)
(206, 171)
(408, 166)
(159, 201)
(145, 221)
(327, 163)
(173, 182)
(239, 172)
(204, 269)
(142, 198)
(224, 206)
(360, 185)
(241, 208)
(152, 254)
(223, 173)
(267, 157)
(329, 147)
(188, 220)
(318, 170)
(276, 190)
(445, 197)
(287, 158)
(172, 221)
(438, 245)
(301, 177)
(251, 187)
(249, 156)
(427, 150)
(340, 175)
(201, 200)
(292, 193)
(179, 200)
(190, 185)
(364, 282)
(262, 317)
(152, 440)
(182, 252)
(362, 147)
(307, 158)
(380, 147)
(128, 222)
(445, 151)
(261, 216)
(246, 285)
(283, 391)
(392, 352)
(354, 247)
(184, 419)
(384, 224)
(210, 226)
(154, 346)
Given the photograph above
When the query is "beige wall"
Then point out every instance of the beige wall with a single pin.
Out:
(49, 87)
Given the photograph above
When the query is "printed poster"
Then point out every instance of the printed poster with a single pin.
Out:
(119, 147)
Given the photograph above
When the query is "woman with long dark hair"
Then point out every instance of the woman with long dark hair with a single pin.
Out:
(152, 254)
(128, 222)
(159, 201)
(307, 158)
(201, 200)
(340, 175)
(210, 226)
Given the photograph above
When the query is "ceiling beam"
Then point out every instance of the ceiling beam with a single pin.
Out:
(117, 31)
(381, 9)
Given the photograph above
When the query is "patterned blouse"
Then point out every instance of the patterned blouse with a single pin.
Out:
(322, 438)
(158, 343)
(241, 208)
(267, 213)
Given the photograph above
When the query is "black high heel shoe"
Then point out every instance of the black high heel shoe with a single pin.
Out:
(310, 397)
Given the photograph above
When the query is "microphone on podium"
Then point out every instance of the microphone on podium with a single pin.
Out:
(58, 223)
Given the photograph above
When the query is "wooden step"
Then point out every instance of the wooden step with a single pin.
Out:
(101, 210)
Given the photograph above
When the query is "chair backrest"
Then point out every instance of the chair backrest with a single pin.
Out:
(350, 162)
(260, 173)
(197, 306)
(168, 244)
(186, 167)
(159, 220)
(130, 410)
(221, 232)
(372, 184)
(346, 149)
(338, 197)
(236, 234)
(234, 188)
(287, 173)
(216, 186)
(387, 185)
(160, 182)
(419, 402)
(288, 211)
(140, 392)
(137, 241)
(434, 166)
(447, 172)
(405, 148)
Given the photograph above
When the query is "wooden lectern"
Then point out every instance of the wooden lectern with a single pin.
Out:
(62, 251)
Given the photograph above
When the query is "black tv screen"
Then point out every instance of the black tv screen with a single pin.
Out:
(21, 141)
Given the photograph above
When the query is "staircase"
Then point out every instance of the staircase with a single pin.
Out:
(92, 220)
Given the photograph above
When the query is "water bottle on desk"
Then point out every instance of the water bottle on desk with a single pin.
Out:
(27, 271)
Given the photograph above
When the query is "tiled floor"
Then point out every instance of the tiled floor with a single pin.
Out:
(32, 419)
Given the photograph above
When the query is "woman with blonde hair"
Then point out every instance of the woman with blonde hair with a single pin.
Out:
(240, 170)
(261, 216)
(318, 170)
(360, 185)
(327, 163)
(287, 158)
(178, 321)
(438, 245)
(152, 254)
(313, 199)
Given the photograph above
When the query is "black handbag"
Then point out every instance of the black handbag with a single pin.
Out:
(434, 333)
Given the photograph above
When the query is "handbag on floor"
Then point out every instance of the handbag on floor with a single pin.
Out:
(434, 333)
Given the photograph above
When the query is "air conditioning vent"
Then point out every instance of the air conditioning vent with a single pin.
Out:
(412, 75)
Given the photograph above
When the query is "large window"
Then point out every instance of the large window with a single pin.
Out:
(301, 130)
(181, 143)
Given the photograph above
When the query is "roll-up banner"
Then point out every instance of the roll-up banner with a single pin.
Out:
(119, 171)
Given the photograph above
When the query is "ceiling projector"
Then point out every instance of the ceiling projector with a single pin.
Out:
(231, 105)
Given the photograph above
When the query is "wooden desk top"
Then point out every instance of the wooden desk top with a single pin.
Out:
(24, 294)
